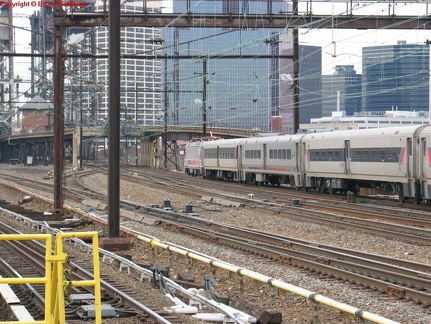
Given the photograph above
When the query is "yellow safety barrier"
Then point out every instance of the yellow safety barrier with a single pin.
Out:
(54, 279)
(364, 315)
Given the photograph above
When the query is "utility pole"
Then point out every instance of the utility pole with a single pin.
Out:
(136, 122)
(80, 116)
(58, 112)
(295, 72)
(114, 242)
(165, 117)
(114, 120)
(204, 98)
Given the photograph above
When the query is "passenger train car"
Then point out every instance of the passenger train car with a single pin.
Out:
(396, 159)
(192, 158)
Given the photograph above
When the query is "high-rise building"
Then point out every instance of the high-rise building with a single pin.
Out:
(395, 76)
(342, 91)
(310, 82)
(140, 100)
(86, 94)
(233, 75)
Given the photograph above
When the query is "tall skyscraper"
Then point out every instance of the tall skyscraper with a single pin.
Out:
(242, 90)
(140, 100)
(395, 76)
(310, 82)
(342, 91)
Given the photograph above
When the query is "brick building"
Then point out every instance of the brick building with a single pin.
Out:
(36, 115)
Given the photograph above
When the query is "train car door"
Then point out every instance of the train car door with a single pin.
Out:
(410, 191)
(424, 166)
(347, 157)
(299, 168)
(264, 157)
(241, 177)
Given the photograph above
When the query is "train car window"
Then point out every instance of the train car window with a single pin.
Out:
(337, 155)
(271, 154)
(329, 156)
(409, 147)
(358, 155)
(259, 154)
(366, 155)
(391, 156)
(323, 155)
(384, 154)
(284, 154)
(289, 154)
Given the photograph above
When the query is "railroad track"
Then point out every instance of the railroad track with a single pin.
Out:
(26, 259)
(274, 197)
(186, 224)
(392, 276)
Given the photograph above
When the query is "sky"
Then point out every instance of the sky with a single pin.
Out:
(344, 47)
(339, 47)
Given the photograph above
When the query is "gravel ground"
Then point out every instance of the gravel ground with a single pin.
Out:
(295, 309)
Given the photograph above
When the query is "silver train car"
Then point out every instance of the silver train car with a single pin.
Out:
(193, 158)
(394, 160)
(385, 158)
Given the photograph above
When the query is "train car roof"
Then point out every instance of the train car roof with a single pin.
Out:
(388, 131)
(273, 139)
(221, 142)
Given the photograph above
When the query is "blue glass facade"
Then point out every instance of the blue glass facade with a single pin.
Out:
(395, 76)
(241, 91)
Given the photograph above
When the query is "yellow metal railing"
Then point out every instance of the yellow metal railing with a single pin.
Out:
(54, 279)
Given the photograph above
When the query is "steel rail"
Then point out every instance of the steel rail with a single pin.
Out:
(331, 259)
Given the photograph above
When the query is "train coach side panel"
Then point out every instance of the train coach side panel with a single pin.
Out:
(324, 156)
(282, 155)
(252, 155)
(383, 158)
(220, 155)
(375, 155)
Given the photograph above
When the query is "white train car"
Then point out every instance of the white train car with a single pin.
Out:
(372, 158)
(422, 161)
(220, 159)
(193, 158)
(271, 160)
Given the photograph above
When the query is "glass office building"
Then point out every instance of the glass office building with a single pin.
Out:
(395, 77)
(234, 74)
